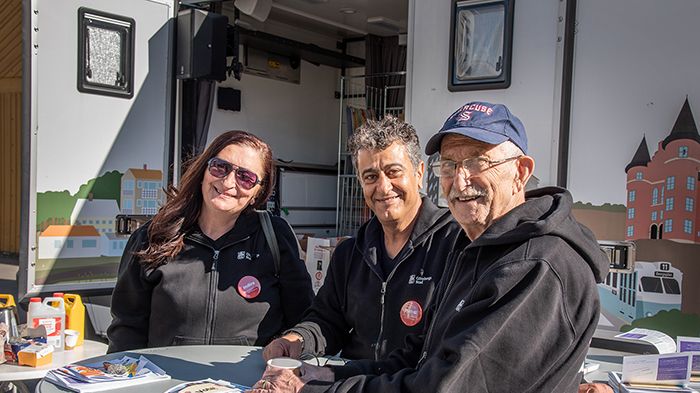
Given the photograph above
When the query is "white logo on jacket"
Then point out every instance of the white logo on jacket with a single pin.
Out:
(244, 255)
(418, 280)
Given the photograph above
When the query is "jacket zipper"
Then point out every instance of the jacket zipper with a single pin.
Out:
(426, 343)
(213, 280)
(377, 345)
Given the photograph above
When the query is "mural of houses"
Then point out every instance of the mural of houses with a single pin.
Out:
(99, 213)
(113, 244)
(141, 191)
(69, 241)
(662, 190)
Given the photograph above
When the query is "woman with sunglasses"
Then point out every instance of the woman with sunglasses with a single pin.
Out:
(201, 272)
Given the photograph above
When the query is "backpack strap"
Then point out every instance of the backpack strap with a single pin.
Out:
(269, 232)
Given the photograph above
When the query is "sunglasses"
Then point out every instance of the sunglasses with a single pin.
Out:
(246, 179)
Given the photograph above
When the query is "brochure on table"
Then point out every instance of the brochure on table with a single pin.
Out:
(691, 345)
(208, 385)
(94, 377)
(662, 342)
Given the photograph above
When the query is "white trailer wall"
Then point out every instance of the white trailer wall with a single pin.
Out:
(634, 63)
(533, 93)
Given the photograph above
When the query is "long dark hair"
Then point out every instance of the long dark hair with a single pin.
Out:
(182, 208)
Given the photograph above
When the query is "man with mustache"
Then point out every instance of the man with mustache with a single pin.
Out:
(380, 282)
(518, 305)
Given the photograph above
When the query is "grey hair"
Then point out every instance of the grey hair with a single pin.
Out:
(380, 134)
(510, 149)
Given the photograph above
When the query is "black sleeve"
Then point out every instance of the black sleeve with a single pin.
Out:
(324, 327)
(131, 300)
(483, 338)
(296, 292)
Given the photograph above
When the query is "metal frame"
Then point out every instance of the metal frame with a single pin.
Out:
(351, 211)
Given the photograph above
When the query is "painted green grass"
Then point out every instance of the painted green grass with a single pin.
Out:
(71, 270)
(672, 322)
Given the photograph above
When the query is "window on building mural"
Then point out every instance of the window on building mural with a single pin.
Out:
(669, 203)
(630, 231)
(630, 213)
(668, 225)
(655, 196)
(670, 182)
(683, 151)
(689, 204)
(89, 243)
(688, 226)
(639, 176)
(690, 183)
(632, 195)
(654, 216)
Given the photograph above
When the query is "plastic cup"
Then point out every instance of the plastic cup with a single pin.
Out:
(71, 337)
(287, 364)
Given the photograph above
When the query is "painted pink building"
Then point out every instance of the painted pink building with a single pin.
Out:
(662, 191)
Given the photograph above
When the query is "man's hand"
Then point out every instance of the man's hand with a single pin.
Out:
(316, 373)
(289, 345)
(279, 380)
(594, 388)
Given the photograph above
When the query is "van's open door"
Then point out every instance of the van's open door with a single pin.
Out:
(97, 130)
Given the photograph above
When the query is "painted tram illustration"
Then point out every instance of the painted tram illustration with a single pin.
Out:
(650, 288)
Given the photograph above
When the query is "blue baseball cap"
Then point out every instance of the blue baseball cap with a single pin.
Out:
(483, 121)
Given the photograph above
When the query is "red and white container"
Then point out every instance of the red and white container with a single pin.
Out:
(50, 316)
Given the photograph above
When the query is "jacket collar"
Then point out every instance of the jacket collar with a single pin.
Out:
(430, 219)
(246, 224)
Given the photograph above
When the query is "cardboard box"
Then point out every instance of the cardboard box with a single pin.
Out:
(318, 258)
(36, 355)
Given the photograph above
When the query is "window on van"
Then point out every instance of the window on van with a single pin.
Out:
(105, 53)
(481, 42)
(652, 284)
(671, 286)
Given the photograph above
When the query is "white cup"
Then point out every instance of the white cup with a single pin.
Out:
(286, 363)
(71, 337)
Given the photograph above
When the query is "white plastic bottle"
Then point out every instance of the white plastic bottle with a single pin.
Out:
(53, 318)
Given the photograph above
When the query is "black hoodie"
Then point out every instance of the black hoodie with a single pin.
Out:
(198, 298)
(357, 310)
(515, 313)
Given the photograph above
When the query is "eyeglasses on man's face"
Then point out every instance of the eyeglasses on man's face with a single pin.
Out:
(474, 166)
(245, 178)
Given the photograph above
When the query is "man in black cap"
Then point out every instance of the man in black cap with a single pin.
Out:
(518, 304)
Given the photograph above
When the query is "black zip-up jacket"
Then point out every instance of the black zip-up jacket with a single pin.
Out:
(515, 313)
(357, 310)
(195, 297)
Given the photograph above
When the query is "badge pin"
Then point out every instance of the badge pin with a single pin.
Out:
(249, 287)
(411, 313)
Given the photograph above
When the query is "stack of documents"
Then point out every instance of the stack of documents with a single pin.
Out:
(98, 377)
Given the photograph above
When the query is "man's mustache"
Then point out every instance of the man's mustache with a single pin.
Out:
(470, 192)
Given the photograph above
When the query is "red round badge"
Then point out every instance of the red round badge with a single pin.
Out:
(249, 287)
(319, 276)
(411, 313)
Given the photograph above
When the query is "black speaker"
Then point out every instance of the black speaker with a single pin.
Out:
(201, 45)
(228, 98)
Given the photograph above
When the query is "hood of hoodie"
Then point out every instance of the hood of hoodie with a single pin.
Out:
(430, 219)
(547, 211)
